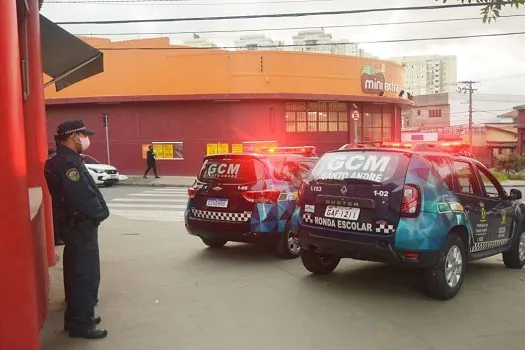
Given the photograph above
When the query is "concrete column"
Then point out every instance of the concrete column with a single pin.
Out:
(18, 325)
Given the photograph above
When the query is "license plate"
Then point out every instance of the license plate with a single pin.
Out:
(344, 213)
(217, 203)
(113, 176)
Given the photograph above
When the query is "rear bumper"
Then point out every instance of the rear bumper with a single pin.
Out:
(377, 248)
(234, 232)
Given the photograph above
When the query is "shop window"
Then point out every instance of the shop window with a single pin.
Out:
(316, 117)
(376, 124)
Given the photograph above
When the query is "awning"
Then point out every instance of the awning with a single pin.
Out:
(66, 58)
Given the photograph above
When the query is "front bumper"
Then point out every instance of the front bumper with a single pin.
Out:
(368, 247)
(107, 178)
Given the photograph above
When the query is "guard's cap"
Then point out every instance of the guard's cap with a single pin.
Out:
(73, 126)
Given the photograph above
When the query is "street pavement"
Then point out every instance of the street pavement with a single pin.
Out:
(163, 289)
(154, 204)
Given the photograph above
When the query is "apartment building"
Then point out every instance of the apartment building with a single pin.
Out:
(317, 40)
(197, 41)
(425, 75)
(257, 42)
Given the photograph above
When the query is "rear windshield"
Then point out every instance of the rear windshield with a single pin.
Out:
(374, 166)
(231, 170)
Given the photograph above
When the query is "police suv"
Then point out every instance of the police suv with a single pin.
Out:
(249, 197)
(427, 209)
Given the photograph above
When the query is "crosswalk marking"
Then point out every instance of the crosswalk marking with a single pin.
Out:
(150, 215)
(156, 200)
(159, 205)
(170, 193)
(142, 205)
(157, 195)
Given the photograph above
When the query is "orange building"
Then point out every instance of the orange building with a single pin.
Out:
(191, 102)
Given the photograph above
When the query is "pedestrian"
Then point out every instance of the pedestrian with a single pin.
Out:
(79, 208)
(151, 162)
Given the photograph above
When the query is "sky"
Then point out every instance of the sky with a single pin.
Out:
(497, 63)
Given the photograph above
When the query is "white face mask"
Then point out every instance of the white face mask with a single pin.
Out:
(84, 143)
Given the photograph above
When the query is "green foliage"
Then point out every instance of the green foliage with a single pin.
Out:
(511, 163)
(493, 7)
(516, 176)
(500, 176)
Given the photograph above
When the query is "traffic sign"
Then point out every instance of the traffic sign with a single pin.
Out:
(355, 115)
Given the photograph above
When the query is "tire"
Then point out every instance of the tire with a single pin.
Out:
(319, 264)
(435, 281)
(515, 257)
(214, 243)
(288, 246)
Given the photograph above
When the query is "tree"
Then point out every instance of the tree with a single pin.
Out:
(512, 162)
(492, 10)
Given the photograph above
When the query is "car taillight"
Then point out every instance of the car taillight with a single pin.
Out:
(192, 192)
(264, 196)
(411, 202)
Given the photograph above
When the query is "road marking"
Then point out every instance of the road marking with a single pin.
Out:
(157, 195)
(138, 205)
(150, 215)
(158, 200)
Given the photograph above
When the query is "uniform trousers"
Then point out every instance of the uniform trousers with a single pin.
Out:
(81, 274)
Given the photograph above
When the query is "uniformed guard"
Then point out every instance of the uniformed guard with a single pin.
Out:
(79, 208)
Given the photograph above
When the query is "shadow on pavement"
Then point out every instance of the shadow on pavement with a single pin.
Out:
(380, 281)
(241, 252)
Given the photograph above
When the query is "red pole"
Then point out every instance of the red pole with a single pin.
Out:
(18, 325)
(36, 146)
(35, 126)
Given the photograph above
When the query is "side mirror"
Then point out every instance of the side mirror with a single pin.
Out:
(515, 194)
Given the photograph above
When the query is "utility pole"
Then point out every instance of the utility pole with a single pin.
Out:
(467, 86)
(105, 120)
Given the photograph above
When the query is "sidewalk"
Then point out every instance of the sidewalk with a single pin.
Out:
(164, 181)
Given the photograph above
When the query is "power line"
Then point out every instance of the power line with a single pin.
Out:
(279, 15)
(504, 101)
(176, 2)
(300, 45)
(298, 28)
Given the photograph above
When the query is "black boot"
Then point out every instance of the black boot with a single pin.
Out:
(92, 333)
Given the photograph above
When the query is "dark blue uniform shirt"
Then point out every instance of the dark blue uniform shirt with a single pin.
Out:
(73, 191)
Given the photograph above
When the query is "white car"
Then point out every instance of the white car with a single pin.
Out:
(103, 174)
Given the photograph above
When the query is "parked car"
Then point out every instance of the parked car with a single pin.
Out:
(102, 174)
(432, 210)
(249, 198)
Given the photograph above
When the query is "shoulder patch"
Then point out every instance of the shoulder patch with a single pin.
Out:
(73, 174)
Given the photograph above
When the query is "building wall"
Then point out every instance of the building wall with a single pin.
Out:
(186, 71)
(429, 74)
(196, 124)
(429, 111)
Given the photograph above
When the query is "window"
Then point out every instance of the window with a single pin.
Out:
(434, 113)
(468, 183)
(375, 124)
(442, 167)
(492, 187)
(316, 117)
